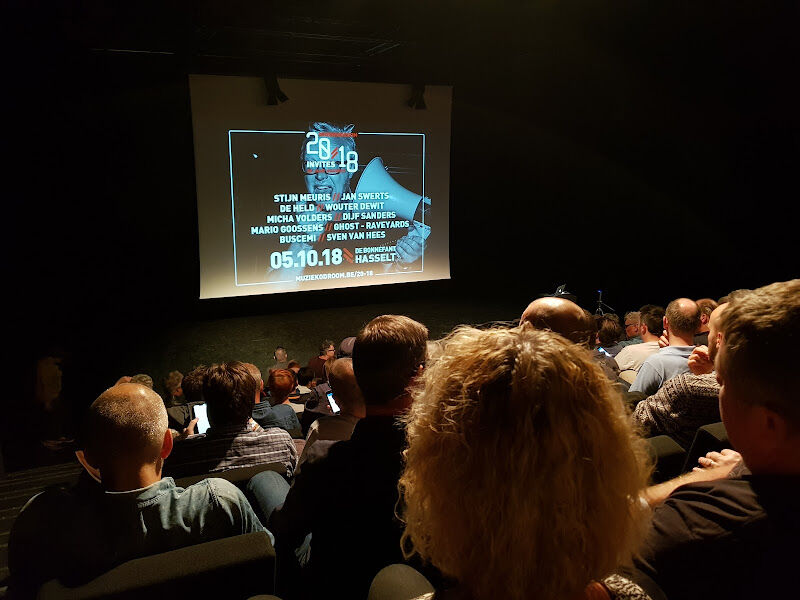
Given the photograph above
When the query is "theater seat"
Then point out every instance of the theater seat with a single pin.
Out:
(239, 477)
(399, 582)
(669, 456)
(237, 568)
(708, 438)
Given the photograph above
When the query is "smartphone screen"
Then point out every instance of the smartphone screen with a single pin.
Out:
(201, 414)
(334, 407)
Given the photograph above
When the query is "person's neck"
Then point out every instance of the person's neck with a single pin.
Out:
(703, 329)
(131, 479)
(396, 406)
(678, 340)
(649, 337)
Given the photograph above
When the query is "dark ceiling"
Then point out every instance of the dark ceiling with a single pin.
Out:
(388, 41)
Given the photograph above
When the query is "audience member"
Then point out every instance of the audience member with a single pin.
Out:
(346, 348)
(574, 323)
(281, 358)
(173, 382)
(561, 500)
(143, 379)
(562, 316)
(687, 401)
(598, 354)
(651, 326)
(192, 385)
(281, 383)
(731, 533)
(609, 332)
(180, 415)
(356, 533)
(229, 391)
(347, 396)
(294, 366)
(317, 363)
(305, 378)
(706, 305)
(681, 321)
(262, 413)
(76, 535)
(632, 334)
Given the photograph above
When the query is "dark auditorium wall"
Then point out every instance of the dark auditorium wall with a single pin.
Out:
(646, 150)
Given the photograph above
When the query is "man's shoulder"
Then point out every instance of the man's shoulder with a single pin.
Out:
(320, 463)
(694, 385)
(625, 351)
(656, 358)
(707, 535)
(726, 499)
(276, 434)
(320, 453)
(210, 485)
(673, 352)
(725, 506)
(217, 490)
(284, 410)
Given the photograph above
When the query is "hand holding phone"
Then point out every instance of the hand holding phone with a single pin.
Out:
(334, 407)
(201, 414)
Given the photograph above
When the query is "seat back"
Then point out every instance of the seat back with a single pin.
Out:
(708, 438)
(235, 567)
(399, 582)
(239, 476)
(669, 457)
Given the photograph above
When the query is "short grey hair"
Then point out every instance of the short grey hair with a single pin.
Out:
(634, 315)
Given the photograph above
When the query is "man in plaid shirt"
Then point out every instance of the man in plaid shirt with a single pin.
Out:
(233, 440)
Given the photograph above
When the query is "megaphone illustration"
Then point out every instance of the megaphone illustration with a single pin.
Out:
(404, 203)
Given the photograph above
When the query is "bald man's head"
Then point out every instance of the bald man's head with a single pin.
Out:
(345, 388)
(683, 317)
(561, 316)
(125, 427)
(256, 373)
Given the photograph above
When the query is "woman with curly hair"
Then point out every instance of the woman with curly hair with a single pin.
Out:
(523, 471)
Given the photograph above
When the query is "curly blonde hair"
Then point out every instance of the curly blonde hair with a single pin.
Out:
(523, 470)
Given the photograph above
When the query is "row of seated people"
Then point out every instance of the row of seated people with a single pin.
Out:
(182, 392)
(504, 461)
(666, 374)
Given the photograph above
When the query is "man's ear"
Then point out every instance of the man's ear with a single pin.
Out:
(166, 445)
(91, 469)
(775, 425)
(666, 324)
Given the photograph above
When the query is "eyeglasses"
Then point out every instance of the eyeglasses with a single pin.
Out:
(631, 325)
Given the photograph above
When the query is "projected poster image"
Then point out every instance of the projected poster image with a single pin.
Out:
(360, 212)
(341, 186)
